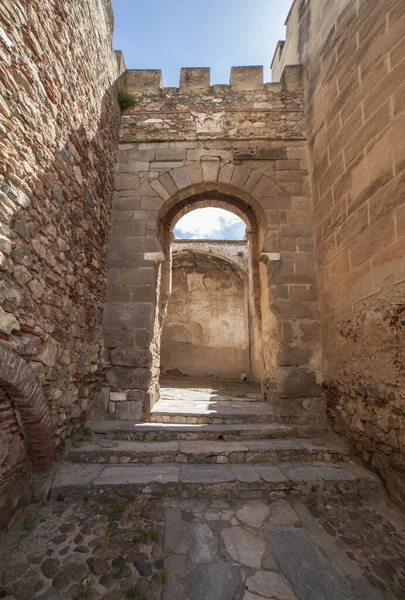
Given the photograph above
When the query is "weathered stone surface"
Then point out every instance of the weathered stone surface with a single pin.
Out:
(253, 513)
(202, 545)
(243, 546)
(316, 577)
(214, 582)
(98, 566)
(131, 357)
(268, 584)
(176, 585)
(175, 539)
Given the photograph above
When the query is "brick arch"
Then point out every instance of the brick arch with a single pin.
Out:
(25, 393)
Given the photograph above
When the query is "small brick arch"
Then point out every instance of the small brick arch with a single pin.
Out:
(25, 392)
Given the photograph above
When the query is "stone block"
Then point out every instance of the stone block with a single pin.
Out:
(181, 177)
(170, 154)
(159, 188)
(128, 229)
(129, 316)
(128, 411)
(114, 338)
(290, 356)
(292, 309)
(143, 81)
(210, 168)
(246, 78)
(120, 378)
(195, 79)
(272, 153)
(131, 357)
(293, 382)
(126, 247)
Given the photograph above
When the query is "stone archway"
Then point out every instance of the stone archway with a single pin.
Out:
(23, 388)
(282, 265)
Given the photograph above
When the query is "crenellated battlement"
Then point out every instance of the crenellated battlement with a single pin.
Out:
(194, 80)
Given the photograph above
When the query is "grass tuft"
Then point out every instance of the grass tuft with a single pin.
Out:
(133, 593)
(125, 100)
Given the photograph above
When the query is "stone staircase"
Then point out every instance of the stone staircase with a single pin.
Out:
(199, 446)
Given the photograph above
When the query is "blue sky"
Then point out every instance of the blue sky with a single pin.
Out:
(170, 34)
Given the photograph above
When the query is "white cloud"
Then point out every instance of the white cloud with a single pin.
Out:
(210, 223)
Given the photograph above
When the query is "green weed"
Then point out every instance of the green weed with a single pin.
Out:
(163, 576)
(134, 593)
(142, 536)
(29, 525)
(125, 100)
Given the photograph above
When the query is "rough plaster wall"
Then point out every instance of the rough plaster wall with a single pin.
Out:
(59, 122)
(206, 330)
(355, 90)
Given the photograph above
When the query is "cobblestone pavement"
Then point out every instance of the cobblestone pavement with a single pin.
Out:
(328, 548)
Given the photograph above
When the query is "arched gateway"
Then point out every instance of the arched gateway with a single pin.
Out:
(239, 147)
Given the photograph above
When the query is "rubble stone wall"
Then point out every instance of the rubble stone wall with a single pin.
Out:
(59, 121)
(206, 329)
(354, 72)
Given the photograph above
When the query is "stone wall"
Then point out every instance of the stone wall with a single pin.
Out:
(240, 147)
(354, 58)
(59, 121)
(206, 329)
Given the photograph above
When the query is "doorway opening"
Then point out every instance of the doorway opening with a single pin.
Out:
(208, 338)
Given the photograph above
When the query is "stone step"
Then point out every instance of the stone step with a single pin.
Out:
(212, 411)
(165, 432)
(206, 451)
(207, 481)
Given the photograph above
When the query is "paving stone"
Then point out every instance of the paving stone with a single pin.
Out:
(137, 475)
(61, 539)
(271, 474)
(137, 557)
(67, 528)
(61, 581)
(206, 474)
(50, 567)
(81, 549)
(245, 473)
(144, 569)
(176, 585)
(214, 582)
(299, 474)
(253, 513)
(35, 558)
(269, 584)
(175, 539)
(364, 590)
(282, 514)
(98, 566)
(124, 572)
(119, 562)
(243, 546)
(315, 579)
(114, 595)
(202, 544)
(107, 580)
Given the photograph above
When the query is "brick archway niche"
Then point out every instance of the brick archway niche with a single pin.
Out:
(286, 371)
(29, 416)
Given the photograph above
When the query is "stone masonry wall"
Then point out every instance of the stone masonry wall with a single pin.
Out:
(59, 122)
(240, 147)
(354, 57)
(206, 329)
